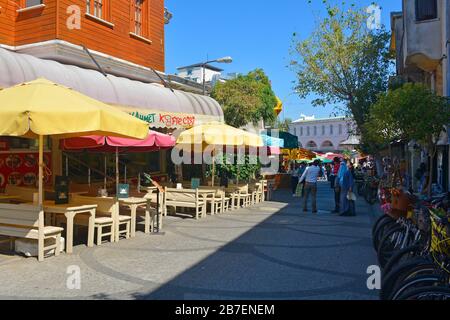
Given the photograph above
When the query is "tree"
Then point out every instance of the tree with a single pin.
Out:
(343, 62)
(283, 125)
(412, 112)
(247, 99)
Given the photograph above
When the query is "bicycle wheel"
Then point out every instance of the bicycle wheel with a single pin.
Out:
(402, 255)
(379, 221)
(421, 281)
(428, 293)
(403, 272)
(389, 244)
(382, 228)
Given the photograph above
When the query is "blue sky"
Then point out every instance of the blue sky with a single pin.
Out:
(257, 34)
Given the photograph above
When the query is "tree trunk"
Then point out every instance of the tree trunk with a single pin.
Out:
(433, 150)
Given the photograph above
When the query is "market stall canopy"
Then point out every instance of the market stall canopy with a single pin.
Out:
(352, 141)
(331, 156)
(154, 141)
(41, 107)
(219, 134)
(155, 104)
(290, 141)
(272, 141)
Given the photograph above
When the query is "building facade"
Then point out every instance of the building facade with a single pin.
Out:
(126, 37)
(110, 50)
(322, 135)
(195, 73)
(420, 36)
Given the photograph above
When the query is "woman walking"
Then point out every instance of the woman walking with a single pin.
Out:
(347, 184)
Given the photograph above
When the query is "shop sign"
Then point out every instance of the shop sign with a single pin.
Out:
(166, 119)
(123, 191)
(61, 190)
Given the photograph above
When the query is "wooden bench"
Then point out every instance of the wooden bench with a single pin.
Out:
(26, 221)
(25, 194)
(185, 198)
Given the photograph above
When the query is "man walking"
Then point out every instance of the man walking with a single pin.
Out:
(310, 177)
(335, 184)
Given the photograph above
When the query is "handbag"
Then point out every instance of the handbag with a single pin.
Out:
(299, 190)
(351, 196)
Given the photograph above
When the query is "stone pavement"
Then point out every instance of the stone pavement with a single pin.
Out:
(271, 251)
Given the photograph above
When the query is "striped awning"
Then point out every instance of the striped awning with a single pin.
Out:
(148, 101)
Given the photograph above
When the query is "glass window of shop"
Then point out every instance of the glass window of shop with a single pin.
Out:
(132, 163)
(12, 144)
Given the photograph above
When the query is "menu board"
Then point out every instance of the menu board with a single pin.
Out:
(22, 169)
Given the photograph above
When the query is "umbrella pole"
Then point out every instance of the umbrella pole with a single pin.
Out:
(41, 199)
(41, 172)
(104, 181)
(117, 171)
(67, 165)
(213, 167)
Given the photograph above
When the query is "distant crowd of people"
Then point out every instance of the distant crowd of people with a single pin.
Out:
(340, 173)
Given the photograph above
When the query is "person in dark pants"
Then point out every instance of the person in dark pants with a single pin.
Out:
(335, 184)
(310, 177)
(294, 178)
(301, 171)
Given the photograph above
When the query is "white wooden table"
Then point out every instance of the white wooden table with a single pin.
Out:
(70, 211)
(134, 204)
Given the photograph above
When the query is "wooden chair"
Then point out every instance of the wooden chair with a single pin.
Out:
(185, 199)
(25, 221)
(107, 208)
(244, 196)
(215, 202)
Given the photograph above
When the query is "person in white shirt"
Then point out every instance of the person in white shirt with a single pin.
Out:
(310, 176)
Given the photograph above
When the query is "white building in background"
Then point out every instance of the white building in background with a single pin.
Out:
(322, 135)
(195, 73)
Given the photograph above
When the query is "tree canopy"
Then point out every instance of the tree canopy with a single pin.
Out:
(411, 112)
(343, 62)
(247, 99)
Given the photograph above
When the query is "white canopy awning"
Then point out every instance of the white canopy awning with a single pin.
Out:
(152, 102)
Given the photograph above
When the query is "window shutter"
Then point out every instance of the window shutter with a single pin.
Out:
(426, 9)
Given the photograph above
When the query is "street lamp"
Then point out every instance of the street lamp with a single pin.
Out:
(220, 60)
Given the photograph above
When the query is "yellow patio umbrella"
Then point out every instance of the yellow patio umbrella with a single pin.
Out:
(219, 134)
(40, 108)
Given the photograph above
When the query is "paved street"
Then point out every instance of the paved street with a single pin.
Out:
(271, 251)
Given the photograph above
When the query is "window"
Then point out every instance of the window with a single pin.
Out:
(327, 144)
(295, 131)
(311, 145)
(189, 72)
(331, 129)
(323, 130)
(98, 8)
(308, 131)
(139, 18)
(315, 131)
(32, 3)
(340, 129)
(426, 10)
(301, 131)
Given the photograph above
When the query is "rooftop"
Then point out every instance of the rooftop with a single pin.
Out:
(200, 65)
(305, 119)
